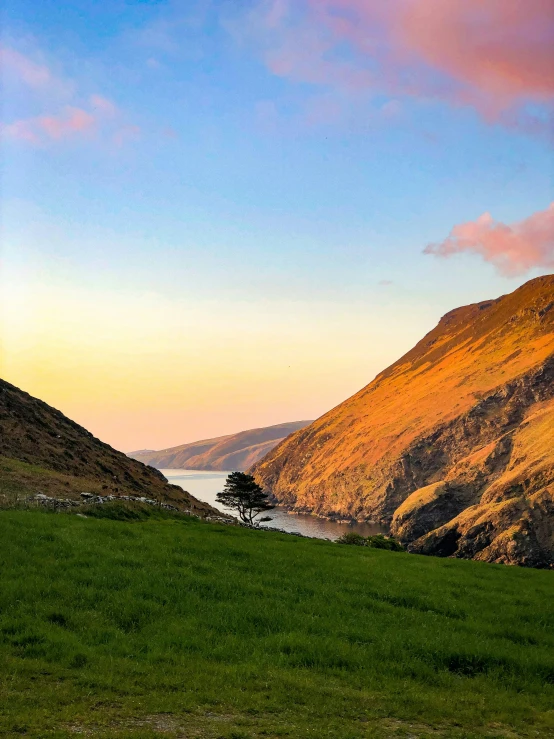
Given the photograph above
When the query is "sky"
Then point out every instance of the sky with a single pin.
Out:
(218, 215)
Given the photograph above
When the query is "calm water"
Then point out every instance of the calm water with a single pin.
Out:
(205, 486)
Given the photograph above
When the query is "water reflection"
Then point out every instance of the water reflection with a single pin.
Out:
(205, 486)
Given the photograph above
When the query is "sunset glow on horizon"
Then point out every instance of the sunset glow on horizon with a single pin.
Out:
(219, 217)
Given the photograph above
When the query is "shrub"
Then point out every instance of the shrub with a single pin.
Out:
(384, 542)
(352, 538)
(377, 542)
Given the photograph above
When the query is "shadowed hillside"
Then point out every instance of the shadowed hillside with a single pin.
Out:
(453, 445)
(233, 452)
(41, 450)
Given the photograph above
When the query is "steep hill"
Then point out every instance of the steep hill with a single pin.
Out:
(232, 452)
(452, 446)
(41, 450)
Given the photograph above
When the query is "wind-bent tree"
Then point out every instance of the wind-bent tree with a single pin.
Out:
(242, 493)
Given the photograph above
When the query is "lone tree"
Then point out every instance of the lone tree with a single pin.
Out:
(242, 493)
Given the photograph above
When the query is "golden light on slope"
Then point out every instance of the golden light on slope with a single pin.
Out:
(342, 458)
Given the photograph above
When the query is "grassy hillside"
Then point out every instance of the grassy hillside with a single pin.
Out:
(41, 450)
(171, 626)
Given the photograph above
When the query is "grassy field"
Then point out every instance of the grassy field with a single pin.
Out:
(167, 626)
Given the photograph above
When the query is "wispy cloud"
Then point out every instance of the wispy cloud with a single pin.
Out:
(495, 56)
(103, 106)
(512, 249)
(32, 74)
(67, 115)
(72, 122)
(21, 130)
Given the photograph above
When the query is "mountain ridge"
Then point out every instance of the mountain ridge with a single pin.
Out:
(230, 452)
(472, 381)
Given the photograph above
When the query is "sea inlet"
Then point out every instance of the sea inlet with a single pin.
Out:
(205, 486)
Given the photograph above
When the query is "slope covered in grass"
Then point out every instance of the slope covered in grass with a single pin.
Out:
(171, 626)
(41, 450)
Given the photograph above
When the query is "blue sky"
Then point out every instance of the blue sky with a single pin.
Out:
(190, 152)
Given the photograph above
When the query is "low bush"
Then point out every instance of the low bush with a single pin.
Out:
(352, 538)
(384, 542)
(376, 542)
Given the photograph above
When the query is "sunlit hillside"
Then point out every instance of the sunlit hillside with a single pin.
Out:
(468, 409)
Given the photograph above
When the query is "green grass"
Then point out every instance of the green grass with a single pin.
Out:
(167, 626)
(20, 480)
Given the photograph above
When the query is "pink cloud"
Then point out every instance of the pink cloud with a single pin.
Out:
(513, 249)
(103, 106)
(67, 115)
(22, 130)
(30, 73)
(80, 119)
(72, 121)
(494, 55)
(20, 70)
(503, 48)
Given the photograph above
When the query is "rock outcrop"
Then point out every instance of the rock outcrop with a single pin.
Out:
(452, 446)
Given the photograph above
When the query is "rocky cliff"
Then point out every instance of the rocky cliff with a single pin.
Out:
(452, 446)
(233, 452)
(43, 451)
